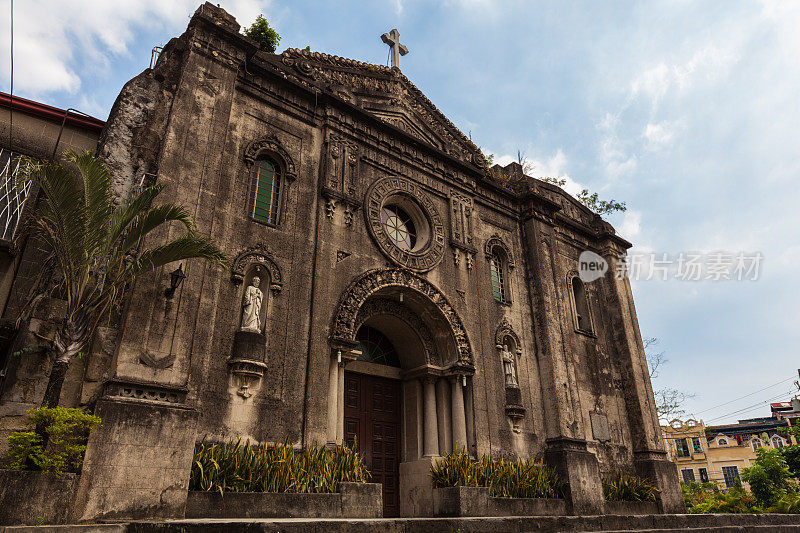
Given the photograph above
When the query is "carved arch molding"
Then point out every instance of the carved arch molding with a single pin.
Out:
(385, 306)
(345, 321)
(505, 330)
(270, 145)
(496, 242)
(257, 254)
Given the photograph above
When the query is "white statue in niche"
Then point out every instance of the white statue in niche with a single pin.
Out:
(251, 307)
(509, 367)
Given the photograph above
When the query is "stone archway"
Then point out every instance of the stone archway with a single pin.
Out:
(435, 372)
(374, 282)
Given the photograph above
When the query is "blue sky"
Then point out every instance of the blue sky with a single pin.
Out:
(685, 110)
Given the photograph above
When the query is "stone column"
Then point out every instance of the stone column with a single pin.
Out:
(333, 399)
(443, 416)
(469, 410)
(340, 405)
(458, 414)
(431, 447)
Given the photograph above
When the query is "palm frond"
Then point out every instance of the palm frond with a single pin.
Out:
(186, 247)
(153, 218)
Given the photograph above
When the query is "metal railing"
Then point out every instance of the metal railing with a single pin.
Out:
(12, 194)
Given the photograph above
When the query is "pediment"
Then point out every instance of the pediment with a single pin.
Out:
(388, 95)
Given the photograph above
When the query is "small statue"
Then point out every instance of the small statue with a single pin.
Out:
(508, 367)
(251, 308)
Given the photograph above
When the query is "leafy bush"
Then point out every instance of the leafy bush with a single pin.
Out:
(261, 32)
(237, 467)
(788, 503)
(733, 500)
(695, 493)
(619, 487)
(65, 431)
(505, 478)
(768, 477)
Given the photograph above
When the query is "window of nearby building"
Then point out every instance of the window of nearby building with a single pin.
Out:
(703, 475)
(498, 276)
(778, 442)
(696, 445)
(581, 306)
(756, 443)
(265, 206)
(731, 476)
(681, 448)
(722, 442)
(687, 474)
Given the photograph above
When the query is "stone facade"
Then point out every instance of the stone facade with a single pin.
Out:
(361, 208)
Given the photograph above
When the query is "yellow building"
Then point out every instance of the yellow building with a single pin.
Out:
(720, 453)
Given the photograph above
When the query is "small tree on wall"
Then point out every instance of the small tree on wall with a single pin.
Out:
(266, 36)
(95, 245)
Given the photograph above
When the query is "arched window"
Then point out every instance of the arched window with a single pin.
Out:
(268, 190)
(722, 442)
(580, 305)
(498, 276)
(778, 442)
(756, 443)
(376, 348)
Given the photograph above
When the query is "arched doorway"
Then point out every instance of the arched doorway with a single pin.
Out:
(401, 367)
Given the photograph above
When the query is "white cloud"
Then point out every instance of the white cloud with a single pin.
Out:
(554, 166)
(631, 225)
(659, 135)
(54, 43)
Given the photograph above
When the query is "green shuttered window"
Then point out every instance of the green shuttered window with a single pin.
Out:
(498, 283)
(265, 208)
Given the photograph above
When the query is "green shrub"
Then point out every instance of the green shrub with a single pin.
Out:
(66, 432)
(505, 478)
(788, 503)
(768, 477)
(619, 487)
(734, 500)
(261, 32)
(695, 493)
(237, 467)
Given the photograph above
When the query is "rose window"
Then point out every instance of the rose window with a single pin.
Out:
(399, 227)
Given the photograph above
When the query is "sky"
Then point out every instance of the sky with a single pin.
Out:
(685, 110)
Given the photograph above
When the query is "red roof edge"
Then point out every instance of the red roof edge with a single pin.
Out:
(51, 113)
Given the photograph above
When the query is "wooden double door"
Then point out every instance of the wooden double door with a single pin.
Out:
(372, 417)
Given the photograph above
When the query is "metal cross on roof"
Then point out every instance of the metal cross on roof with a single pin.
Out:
(393, 40)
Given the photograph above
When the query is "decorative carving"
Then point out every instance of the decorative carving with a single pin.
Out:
(384, 306)
(456, 256)
(147, 358)
(342, 255)
(505, 330)
(251, 307)
(145, 392)
(330, 208)
(270, 145)
(348, 214)
(421, 260)
(341, 172)
(461, 220)
(508, 354)
(470, 261)
(344, 322)
(256, 254)
(496, 242)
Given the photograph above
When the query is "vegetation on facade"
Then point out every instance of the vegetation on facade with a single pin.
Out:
(54, 442)
(96, 244)
(234, 466)
(620, 487)
(505, 478)
(772, 489)
(266, 36)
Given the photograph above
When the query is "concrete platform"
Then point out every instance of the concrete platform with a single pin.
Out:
(573, 524)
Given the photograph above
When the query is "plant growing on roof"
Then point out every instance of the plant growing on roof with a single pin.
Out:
(97, 244)
(266, 36)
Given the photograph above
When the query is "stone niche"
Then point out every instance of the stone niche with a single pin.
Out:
(259, 280)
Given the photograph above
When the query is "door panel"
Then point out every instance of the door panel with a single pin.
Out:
(372, 417)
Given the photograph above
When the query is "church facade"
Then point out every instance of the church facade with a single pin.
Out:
(384, 287)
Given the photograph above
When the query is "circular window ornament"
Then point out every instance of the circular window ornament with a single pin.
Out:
(405, 224)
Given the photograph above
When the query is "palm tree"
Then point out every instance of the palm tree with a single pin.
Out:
(96, 246)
